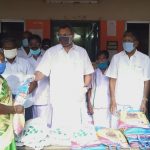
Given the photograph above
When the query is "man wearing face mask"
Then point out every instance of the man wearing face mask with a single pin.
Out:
(17, 68)
(46, 44)
(70, 69)
(98, 94)
(129, 74)
(41, 107)
(24, 51)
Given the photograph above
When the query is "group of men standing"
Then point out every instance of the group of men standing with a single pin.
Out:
(63, 76)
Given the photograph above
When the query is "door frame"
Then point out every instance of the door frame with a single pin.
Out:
(78, 23)
(11, 20)
(148, 22)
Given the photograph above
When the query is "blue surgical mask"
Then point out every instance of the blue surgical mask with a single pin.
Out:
(25, 42)
(35, 52)
(128, 46)
(2, 67)
(103, 65)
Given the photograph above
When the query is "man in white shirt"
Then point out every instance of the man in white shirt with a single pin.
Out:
(17, 68)
(41, 106)
(70, 69)
(129, 74)
(24, 50)
(98, 94)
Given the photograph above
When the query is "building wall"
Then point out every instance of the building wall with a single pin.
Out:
(106, 10)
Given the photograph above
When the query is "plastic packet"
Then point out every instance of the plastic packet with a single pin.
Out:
(21, 99)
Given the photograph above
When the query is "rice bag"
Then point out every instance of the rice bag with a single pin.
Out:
(130, 119)
(113, 137)
(84, 137)
(34, 133)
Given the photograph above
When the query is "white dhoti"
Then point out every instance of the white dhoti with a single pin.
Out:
(101, 117)
(69, 115)
(44, 112)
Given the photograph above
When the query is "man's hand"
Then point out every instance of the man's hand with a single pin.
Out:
(38, 76)
(33, 86)
(143, 106)
(82, 94)
(90, 109)
(113, 106)
(18, 109)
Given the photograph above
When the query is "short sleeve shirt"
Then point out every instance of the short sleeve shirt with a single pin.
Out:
(16, 72)
(130, 74)
(41, 93)
(66, 70)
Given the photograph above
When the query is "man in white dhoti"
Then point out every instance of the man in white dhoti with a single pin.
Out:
(129, 74)
(70, 69)
(41, 101)
(98, 94)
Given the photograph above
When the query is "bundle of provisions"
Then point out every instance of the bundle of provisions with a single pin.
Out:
(136, 128)
(22, 98)
(84, 137)
(34, 133)
(130, 119)
(112, 137)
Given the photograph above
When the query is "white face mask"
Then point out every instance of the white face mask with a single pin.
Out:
(10, 54)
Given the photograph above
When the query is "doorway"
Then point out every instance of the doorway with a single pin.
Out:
(12, 28)
(86, 34)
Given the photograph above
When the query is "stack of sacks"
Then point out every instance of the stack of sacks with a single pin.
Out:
(138, 137)
(112, 138)
(37, 135)
(58, 137)
(132, 118)
(136, 128)
(85, 138)
(34, 134)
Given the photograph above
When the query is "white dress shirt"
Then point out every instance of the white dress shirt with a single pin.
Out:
(17, 72)
(66, 72)
(130, 74)
(41, 93)
(22, 53)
